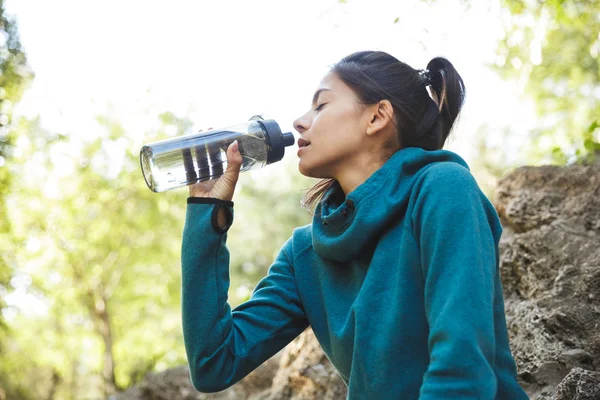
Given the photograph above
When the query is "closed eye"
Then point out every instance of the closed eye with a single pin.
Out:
(320, 107)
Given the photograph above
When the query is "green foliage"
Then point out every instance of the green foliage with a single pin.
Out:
(591, 143)
(553, 48)
(100, 253)
(14, 77)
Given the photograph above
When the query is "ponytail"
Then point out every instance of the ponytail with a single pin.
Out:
(448, 90)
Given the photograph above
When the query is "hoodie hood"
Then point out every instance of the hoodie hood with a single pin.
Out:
(344, 227)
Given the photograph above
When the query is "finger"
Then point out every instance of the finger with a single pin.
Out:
(233, 153)
(225, 185)
(234, 161)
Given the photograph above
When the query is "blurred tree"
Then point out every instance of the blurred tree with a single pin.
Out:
(553, 48)
(15, 75)
(101, 253)
(98, 256)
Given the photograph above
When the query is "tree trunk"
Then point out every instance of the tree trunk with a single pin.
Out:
(99, 314)
(56, 380)
(104, 329)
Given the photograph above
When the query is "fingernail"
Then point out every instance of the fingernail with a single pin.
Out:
(235, 146)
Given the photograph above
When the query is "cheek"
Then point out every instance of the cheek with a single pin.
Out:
(339, 123)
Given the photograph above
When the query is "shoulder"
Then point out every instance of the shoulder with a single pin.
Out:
(447, 189)
(300, 241)
(445, 174)
(445, 181)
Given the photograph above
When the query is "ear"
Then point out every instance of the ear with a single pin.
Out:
(380, 115)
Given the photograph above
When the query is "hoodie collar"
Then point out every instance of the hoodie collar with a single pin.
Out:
(345, 227)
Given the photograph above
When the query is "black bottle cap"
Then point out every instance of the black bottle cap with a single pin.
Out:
(276, 140)
(288, 139)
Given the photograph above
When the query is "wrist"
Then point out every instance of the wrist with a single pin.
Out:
(209, 200)
(199, 196)
(222, 214)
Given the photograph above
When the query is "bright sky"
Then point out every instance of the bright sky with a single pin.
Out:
(221, 62)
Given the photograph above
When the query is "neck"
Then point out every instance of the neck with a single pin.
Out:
(351, 178)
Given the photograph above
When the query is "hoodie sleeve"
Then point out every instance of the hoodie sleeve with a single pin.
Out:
(452, 221)
(224, 345)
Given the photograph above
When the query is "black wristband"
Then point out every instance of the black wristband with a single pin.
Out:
(209, 200)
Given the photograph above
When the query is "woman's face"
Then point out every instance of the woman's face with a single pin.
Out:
(332, 132)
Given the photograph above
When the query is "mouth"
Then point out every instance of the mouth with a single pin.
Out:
(303, 143)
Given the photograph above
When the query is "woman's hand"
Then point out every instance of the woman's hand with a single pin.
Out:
(223, 187)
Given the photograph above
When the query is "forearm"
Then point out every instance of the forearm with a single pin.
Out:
(224, 345)
(205, 282)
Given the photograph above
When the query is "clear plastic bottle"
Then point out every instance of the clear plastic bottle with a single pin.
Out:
(188, 159)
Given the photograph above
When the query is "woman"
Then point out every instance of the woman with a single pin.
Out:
(398, 272)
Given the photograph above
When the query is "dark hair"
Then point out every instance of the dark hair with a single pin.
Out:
(422, 120)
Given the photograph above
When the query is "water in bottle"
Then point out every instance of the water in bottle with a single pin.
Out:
(188, 159)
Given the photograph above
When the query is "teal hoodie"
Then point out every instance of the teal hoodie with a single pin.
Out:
(399, 281)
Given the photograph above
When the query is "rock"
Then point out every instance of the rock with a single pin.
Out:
(532, 197)
(550, 266)
(579, 384)
(175, 384)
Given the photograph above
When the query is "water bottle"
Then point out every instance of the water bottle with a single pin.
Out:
(202, 156)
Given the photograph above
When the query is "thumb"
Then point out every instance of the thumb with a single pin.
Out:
(225, 185)
(234, 162)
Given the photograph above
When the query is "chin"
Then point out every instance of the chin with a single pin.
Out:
(304, 171)
(312, 171)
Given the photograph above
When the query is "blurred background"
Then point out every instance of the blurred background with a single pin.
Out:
(90, 257)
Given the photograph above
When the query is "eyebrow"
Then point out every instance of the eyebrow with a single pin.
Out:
(318, 92)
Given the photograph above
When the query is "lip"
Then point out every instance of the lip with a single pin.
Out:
(303, 143)
(301, 149)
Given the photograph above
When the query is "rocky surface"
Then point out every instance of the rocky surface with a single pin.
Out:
(299, 372)
(550, 266)
(175, 384)
(579, 384)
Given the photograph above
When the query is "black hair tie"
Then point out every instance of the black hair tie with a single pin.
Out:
(425, 73)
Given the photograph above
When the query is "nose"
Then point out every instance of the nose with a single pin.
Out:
(302, 124)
